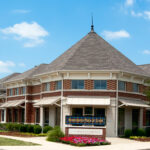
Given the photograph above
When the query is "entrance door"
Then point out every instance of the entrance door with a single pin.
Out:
(135, 119)
(121, 121)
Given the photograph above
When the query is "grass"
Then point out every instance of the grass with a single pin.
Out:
(12, 142)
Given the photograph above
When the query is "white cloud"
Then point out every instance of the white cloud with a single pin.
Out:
(115, 35)
(139, 14)
(21, 11)
(5, 67)
(21, 65)
(129, 2)
(147, 14)
(147, 52)
(33, 32)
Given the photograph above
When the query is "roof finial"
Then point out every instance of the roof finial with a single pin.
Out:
(92, 26)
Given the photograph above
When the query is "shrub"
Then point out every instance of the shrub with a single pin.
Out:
(140, 132)
(2, 126)
(147, 131)
(23, 128)
(134, 131)
(47, 128)
(30, 128)
(55, 134)
(37, 129)
(128, 133)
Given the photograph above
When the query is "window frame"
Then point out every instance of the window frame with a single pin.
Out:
(100, 85)
(47, 86)
(125, 86)
(133, 89)
(77, 84)
(57, 84)
(10, 92)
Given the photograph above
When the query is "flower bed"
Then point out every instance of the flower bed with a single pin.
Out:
(83, 141)
(140, 138)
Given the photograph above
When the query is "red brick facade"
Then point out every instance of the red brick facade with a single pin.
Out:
(30, 113)
(111, 85)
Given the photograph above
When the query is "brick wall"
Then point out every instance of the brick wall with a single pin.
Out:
(89, 84)
(129, 87)
(52, 85)
(30, 113)
(67, 84)
(111, 84)
(16, 98)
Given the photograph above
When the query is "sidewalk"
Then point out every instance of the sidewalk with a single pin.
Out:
(117, 144)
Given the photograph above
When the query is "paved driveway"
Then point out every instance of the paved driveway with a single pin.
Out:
(117, 144)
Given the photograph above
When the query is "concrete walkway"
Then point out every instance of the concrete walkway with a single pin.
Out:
(117, 144)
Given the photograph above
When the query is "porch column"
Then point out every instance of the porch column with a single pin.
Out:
(41, 116)
(128, 118)
(52, 116)
(5, 115)
(141, 118)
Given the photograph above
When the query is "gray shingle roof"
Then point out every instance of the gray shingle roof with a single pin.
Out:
(146, 68)
(93, 53)
(7, 78)
(29, 73)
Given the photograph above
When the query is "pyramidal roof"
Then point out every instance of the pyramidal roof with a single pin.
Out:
(93, 53)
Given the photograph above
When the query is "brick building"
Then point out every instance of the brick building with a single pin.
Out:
(91, 89)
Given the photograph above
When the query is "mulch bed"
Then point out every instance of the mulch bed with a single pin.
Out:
(16, 134)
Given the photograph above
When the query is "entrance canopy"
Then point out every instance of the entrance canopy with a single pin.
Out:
(133, 103)
(47, 101)
(13, 103)
(88, 101)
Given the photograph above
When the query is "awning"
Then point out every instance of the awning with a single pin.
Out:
(13, 103)
(88, 101)
(133, 103)
(47, 101)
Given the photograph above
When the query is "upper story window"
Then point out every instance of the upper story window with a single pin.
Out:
(100, 84)
(47, 87)
(58, 85)
(10, 92)
(23, 90)
(17, 91)
(121, 85)
(135, 87)
(77, 84)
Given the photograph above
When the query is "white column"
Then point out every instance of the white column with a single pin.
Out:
(52, 116)
(128, 118)
(41, 116)
(141, 118)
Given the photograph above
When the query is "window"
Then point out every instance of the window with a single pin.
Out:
(9, 115)
(121, 85)
(37, 119)
(47, 87)
(10, 92)
(46, 116)
(99, 112)
(2, 115)
(58, 85)
(88, 111)
(77, 111)
(100, 84)
(15, 115)
(22, 115)
(77, 84)
(135, 87)
(148, 118)
(23, 90)
(17, 91)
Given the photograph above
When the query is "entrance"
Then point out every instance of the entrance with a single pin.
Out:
(121, 121)
(135, 118)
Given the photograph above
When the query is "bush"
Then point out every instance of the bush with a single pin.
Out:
(2, 126)
(23, 128)
(47, 128)
(147, 131)
(128, 133)
(55, 134)
(134, 131)
(140, 132)
(30, 128)
(37, 129)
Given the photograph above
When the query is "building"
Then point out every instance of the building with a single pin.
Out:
(91, 89)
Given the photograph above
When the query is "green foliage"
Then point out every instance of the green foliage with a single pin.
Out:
(37, 129)
(47, 128)
(2, 126)
(128, 133)
(55, 134)
(23, 128)
(140, 132)
(30, 128)
(147, 131)
(13, 127)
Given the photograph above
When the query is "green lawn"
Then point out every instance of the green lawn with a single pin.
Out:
(12, 142)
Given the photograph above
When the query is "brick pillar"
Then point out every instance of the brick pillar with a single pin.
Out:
(52, 85)
(30, 113)
(67, 84)
(89, 84)
(111, 84)
(129, 87)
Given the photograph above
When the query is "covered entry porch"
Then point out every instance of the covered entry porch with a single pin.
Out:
(47, 111)
(130, 114)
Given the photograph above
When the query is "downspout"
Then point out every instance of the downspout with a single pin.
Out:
(61, 117)
(117, 99)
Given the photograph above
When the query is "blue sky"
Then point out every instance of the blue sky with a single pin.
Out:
(37, 31)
